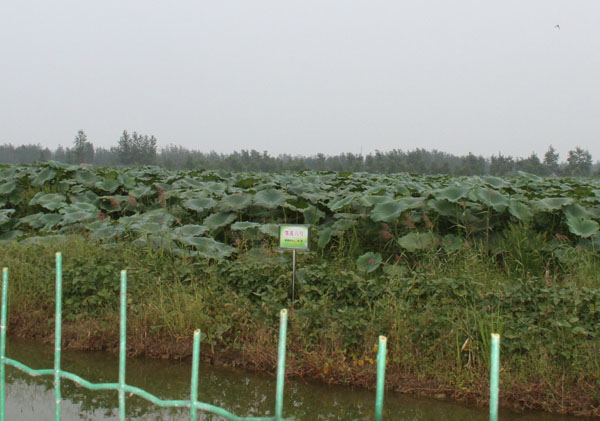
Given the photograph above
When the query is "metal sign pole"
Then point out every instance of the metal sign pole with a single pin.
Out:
(293, 275)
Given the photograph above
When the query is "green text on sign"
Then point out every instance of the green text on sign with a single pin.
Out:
(293, 237)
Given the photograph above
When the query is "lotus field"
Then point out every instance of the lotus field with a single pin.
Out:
(436, 263)
(211, 214)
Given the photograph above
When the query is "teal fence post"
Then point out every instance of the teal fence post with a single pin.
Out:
(57, 336)
(494, 373)
(122, 345)
(281, 365)
(3, 325)
(381, 359)
(195, 367)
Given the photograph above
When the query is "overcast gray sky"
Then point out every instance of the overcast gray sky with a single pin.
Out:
(303, 77)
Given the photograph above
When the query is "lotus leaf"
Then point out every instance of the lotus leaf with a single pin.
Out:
(7, 188)
(417, 241)
(235, 202)
(190, 230)
(77, 217)
(200, 204)
(341, 202)
(272, 230)
(495, 182)
(324, 237)
(209, 248)
(492, 199)
(218, 220)
(576, 211)
(368, 262)
(86, 178)
(390, 211)
(109, 185)
(582, 227)
(453, 193)
(550, 204)
(520, 210)
(312, 215)
(241, 226)
(270, 198)
(43, 177)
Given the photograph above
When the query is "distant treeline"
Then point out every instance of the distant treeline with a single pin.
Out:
(137, 149)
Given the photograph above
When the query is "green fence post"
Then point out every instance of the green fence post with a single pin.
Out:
(281, 365)
(381, 359)
(195, 367)
(57, 335)
(494, 372)
(122, 345)
(3, 325)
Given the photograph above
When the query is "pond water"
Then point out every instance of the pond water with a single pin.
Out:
(242, 392)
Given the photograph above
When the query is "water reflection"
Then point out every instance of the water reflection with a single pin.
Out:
(241, 392)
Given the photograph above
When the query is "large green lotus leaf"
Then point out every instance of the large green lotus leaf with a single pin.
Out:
(531, 178)
(187, 183)
(576, 211)
(190, 230)
(594, 212)
(550, 204)
(492, 199)
(341, 225)
(77, 217)
(272, 230)
(242, 226)
(453, 193)
(209, 248)
(324, 237)
(80, 207)
(5, 215)
(417, 241)
(200, 204)
(218, 220)
(34, 220)
(444, 207)
(312, 215)
(390, 211)
(270, 198)
(340, 202)
(7, 188)
(141, 191)
(107, 232)
(44, 176)
(51, 201)
(50, 220)
(127, 181)
(235, 202)
(369, 201)
(582, 227)
(86, 178)
(109, 185)
(520, 210)
(495, 182)
(368, 262)
(214, 187)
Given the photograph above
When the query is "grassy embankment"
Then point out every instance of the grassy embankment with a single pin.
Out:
(437, 309)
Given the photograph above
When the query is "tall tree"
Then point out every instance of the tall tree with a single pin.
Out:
(551, 161)
(83, 151)
(579, 162)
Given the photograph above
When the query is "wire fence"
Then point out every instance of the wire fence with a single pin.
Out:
(122, 388)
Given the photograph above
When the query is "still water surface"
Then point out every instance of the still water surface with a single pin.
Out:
(244, 393)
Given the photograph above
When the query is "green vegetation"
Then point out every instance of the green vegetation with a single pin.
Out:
(434, 263)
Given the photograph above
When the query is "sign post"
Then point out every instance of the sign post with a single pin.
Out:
(293, 237)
